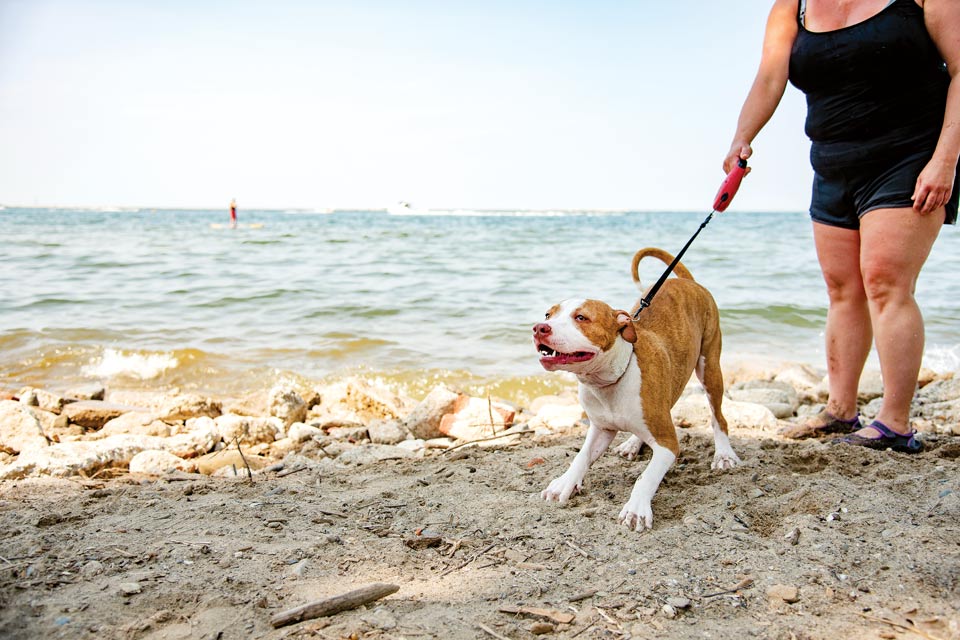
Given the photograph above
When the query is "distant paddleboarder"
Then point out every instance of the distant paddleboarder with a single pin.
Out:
(233, 212)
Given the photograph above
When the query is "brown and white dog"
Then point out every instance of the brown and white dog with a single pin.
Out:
(631, 373)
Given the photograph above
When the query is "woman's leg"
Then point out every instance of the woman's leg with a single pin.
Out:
(848, 330)
(894, 244)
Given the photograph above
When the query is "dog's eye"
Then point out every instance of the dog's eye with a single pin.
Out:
(580, 317)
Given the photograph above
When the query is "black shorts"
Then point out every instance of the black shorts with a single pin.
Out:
(842, 199)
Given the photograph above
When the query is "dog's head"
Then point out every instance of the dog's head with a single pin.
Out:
(576, 334)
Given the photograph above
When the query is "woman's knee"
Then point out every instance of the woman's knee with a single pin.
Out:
(885, 282)
(844, 287)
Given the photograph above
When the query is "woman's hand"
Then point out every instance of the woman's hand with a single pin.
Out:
(934, 186)
(739, 149)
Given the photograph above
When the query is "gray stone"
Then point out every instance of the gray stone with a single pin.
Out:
(248, 430)
(20, 429)
(184, 407)
(134, 422)
(387, 431)
(286, 404)
(91, 391)
(424, 421)
(43, 399)
(373, 453)
(93, 414)
(694, 411)
(940, 391)
(157, 463)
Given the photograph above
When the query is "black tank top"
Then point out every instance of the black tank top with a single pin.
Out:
(875, 88)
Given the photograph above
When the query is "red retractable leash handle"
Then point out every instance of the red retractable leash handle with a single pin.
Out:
(728, 189)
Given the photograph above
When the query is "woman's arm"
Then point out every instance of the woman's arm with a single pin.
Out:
(771, 80)
(935, 183)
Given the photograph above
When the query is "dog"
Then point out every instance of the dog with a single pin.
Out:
(631, 373)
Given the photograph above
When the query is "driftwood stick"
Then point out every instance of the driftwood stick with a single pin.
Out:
(336, 604)
(236, 440)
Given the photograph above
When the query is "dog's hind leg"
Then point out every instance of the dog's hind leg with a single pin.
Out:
(711, 377)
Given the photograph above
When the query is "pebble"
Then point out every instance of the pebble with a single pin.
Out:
(130, 588)
(786, 593)
(793, 537)
(541, 628)
(679, 603)
(669, 611)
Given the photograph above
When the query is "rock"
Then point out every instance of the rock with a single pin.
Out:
(93, 414)
(20, 430)
(940, 391)
(43, 399)
(248, 430)
(871, 386)
(556, 418)
(476, 418)
(134, 422)
(782, 403)
(945, 412)
(70, 458)
(542, 628)
(211, 463)
(254, 404)
(184, 407)
(424, 421)
(353, 434)
(694, 410)
(92, 568)
(386, 431)
(669, 611)
(130, 588)
(373, 453)
(806, 381)
(91, 391)
(679, 603)
(362, 399)
(287, 405)
(157, 463)
(414, 446)
(782, 593)
(299, 432)
(565, 400)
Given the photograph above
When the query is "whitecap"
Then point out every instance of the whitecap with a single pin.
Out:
(116, 363)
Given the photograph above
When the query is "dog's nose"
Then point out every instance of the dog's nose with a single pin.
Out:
(542, 329)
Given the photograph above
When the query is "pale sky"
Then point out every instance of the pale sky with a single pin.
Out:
(593, 104)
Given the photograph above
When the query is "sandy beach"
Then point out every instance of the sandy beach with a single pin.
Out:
(804, 540)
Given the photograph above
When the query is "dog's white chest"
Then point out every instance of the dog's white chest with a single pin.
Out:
(616, 407)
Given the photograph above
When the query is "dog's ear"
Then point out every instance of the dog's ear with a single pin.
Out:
(627, 330)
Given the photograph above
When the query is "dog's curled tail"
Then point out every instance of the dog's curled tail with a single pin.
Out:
(680, 270)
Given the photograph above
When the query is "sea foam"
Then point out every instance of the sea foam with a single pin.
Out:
(116, 363)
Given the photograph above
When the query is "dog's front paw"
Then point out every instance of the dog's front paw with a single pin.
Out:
(560, 489)
(725, 460)
(629, 448)
(636, 516)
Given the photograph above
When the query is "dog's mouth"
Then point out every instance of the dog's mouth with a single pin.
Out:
(553, 357)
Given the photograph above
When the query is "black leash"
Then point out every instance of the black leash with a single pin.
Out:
(724, 197)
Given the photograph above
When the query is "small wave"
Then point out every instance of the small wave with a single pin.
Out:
(114, 363)
(494, 213)
(942, 359)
